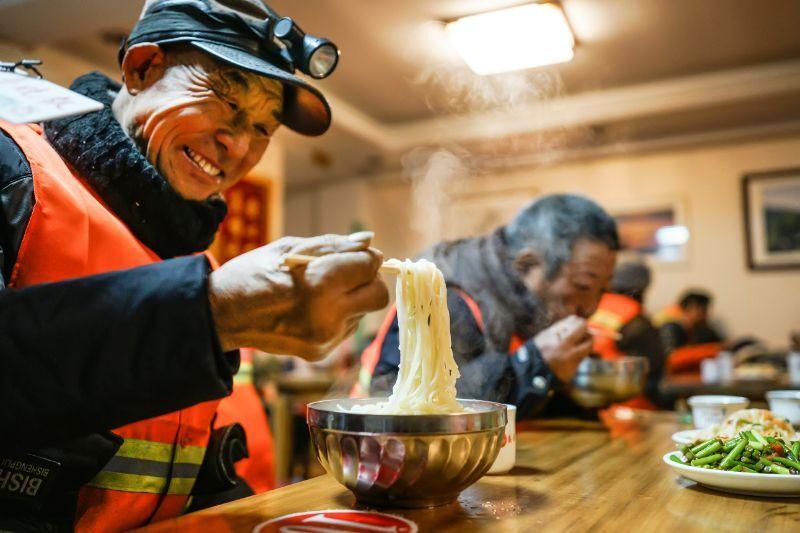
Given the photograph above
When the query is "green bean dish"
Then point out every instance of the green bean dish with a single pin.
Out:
(748, 452)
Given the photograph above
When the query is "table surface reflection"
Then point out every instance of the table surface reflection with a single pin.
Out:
(570, 475)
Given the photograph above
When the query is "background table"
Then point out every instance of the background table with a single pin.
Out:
(683, 386)
(570, 475)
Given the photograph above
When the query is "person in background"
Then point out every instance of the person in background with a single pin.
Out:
(621, 311)
(686, 335)
(132, 188)
(518, 298)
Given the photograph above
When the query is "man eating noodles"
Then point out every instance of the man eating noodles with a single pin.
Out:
(518, 301)
(103, 324)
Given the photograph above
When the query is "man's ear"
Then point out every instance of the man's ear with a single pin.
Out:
(530, 268)
(526, 260)
(143, 65)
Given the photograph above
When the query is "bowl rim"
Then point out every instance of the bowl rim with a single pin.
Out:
(784, 394)
(330, 415)
(716, 400)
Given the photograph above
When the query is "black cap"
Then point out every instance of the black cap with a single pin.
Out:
(235, 32)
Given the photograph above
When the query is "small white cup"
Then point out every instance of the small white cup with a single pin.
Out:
(786, 404)
(709, 371)
(793, 363)
(508, 452)
(712, 409)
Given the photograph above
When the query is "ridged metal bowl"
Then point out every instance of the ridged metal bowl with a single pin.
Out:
(406, 460)
(599, 383)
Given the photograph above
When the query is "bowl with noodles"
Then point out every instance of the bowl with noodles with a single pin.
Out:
(421, 446)
(405, 460)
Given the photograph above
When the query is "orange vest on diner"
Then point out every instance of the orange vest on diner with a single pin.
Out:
(671, 313)
(71, 233)
(613, 312)
(244, 406)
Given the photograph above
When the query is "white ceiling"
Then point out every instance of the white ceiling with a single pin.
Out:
(397, 70)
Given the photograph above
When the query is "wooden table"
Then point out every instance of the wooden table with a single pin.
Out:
(570, 476)
(683, 386)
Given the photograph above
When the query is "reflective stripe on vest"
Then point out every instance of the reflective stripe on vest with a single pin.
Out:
(147, 466)
(245, 373)
(671, 313)
(613, 312)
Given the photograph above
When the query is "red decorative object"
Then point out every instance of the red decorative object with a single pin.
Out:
(245, 227)
(337, 520)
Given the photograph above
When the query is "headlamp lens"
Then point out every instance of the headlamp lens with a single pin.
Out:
(323, 60)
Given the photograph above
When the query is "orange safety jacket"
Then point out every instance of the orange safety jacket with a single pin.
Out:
(72, 233)
(671, 313)
(688, 358)
(244, 406)
(372, 353)
(613, 312)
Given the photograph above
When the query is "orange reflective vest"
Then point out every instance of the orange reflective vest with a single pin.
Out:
(372, 353)
(671, 313)
(244, 406)
(613, 312)
(71, 233)
(688, 358)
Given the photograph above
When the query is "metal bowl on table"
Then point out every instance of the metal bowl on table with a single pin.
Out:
(600, 382)
(406, 460)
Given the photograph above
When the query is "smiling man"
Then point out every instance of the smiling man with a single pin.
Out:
(103, 326)
(518, 300)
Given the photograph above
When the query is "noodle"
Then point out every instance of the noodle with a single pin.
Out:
(426, 381)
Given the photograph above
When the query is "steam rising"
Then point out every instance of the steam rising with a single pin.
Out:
(456, 89)
(436, 176)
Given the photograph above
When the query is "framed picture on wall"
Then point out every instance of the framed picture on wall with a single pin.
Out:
(772, 219)
(655, 229)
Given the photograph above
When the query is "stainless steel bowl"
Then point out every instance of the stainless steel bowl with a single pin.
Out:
(599, 383)
(406, 460)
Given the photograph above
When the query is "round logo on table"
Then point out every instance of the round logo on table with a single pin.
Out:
(337, 520)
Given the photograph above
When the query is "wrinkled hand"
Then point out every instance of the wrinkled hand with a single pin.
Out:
(564, 345)
(305, 311)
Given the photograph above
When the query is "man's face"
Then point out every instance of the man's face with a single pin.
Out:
(695, 315)
(577, 287)
(202, 124)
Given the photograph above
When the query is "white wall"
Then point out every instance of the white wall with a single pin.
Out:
(706, 180)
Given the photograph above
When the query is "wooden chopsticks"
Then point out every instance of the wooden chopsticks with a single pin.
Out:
(293, 260)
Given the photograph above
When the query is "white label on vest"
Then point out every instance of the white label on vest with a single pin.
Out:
(25, 99)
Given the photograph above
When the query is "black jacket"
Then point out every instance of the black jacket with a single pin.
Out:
(82, 356)
(641, 338)
(482, 269)
(95, 353)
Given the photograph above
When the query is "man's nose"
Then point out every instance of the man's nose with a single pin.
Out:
(235, 142)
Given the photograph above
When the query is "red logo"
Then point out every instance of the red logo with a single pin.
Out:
(340, 520)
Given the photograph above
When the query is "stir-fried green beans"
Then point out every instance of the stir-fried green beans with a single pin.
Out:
(749, 452)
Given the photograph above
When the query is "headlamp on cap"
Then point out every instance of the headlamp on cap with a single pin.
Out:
(314, 56)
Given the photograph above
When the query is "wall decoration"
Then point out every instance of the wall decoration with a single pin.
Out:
(654, 229)
(245, 227)
(772, 219)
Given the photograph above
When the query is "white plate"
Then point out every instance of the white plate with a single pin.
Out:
(771, 485)
(687, 436)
